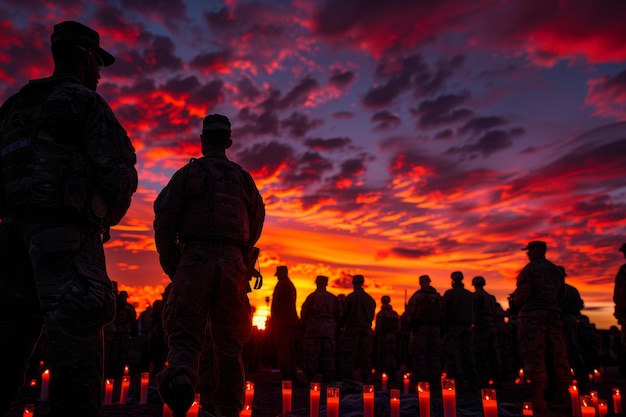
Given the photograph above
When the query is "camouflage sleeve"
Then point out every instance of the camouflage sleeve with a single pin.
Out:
(522, 291)
(619, 294)
(167, 210)
(256, 209)
(113, 157)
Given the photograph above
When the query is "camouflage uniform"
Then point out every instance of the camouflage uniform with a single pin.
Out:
(356, 340)
(285, 324)
(425, 316)
(66, 174)
(619, 298)
(387, 330)
(211, 210)
(570, 312)
(486, 344)
(321, 312)
(540, 288)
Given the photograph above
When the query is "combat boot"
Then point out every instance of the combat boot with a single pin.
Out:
(538, 399)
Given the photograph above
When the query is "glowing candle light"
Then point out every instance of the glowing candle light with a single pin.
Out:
(385, 378)
(249, 399)
(29, 410)
(287, 395)
(145, 379)
(195, 407)
(603, 407)
(33, 382)
(394, 402)
(521, 375)
(124, 391)
(594, 399)
(617, 401)
(126, 370)
(314, 399)
(45, 382)
(527, 409)
(406, 383)
(587, 408)
(597, 376)
(332, 402)
(573, 392)
(108, 391)
(246, 412)
(490, 405)
(368, 401)
(423, 394)
(167, 412)
(448, 392)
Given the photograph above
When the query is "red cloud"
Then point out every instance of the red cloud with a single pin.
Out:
(608, 95)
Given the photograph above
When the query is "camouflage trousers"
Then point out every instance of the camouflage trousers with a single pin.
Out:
(54, 276)
(426, 350)
(319, 357)
(460, 361)
(207, 320)
(355, 351)
(540, 342)
(285, 342)
(486, 352)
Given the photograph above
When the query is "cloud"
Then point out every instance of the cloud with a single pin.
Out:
(489, 143)
(442, 110)
(608, 95)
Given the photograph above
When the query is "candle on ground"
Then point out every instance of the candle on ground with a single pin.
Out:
(246, 412)
(108, 391)
(167, 412)
(194, 410)
(332, 402)
(29, 410)
(124, 391)
(490, 405)
(603, 407)
(527, 409)
(145, 379)
(423, 394)
(587, 408)
(287, 395)
(45, 382)
(368, 401)
(314, 399)
(448, 392)
(394, 402)
(573, 392)
(617, 401)
(407, 381)
(249, 399)
(385, 378)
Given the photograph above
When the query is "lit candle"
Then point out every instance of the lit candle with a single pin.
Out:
(586, 406)
(423, 394)
(108, 391)
(603, 407)
(195, 406)
(167, 412)
(385, 378)
(33, 382)
(490, 405)
(332, 402)
(527, 409)
(246, 412)
(597, 376)
(573, 392)
(45, 382)
(521, 375)
(249, 394)
(594, 399)
(394, 402)
(124, 391)
(617, 401)
(368, 401)
(406, 383)
(287, 393)
(314, 401)
(145, 378)
(29, 410)
(448, 392)
(126, 370)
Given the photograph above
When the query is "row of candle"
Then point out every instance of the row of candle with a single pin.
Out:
(592, 406)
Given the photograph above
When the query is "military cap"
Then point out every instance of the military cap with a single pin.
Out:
(385, 299)
(536, 244)
(321, 280)
(623, 248)
(478, 281)
(216, 122)
(74, 33)
(358, 279)
(281, 269)
(425, 278)
(457, 276)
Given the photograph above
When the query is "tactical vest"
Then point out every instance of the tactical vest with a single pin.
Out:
(43, 164)
(214, 202)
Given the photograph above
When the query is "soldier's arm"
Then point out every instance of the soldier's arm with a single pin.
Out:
(256, 209)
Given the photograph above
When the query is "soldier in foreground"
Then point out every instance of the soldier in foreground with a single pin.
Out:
(619, 298)
(208, 218)
(66, 175)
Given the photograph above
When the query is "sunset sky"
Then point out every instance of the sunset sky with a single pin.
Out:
(388, 138)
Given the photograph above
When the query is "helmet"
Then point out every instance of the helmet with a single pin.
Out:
(478, 282)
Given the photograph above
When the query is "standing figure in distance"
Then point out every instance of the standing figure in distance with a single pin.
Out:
(285, 324)
(356, 341)
(537, 296)
(67, 174)
(386, 334)
(619, 298)
(485, 334)
(207, 218)
(321, 312)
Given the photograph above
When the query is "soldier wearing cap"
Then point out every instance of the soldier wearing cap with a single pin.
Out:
(485, 333)
(320, 315)
(207, 219)
(458, 306)
(386, 338)
(356, 339)
(285, 324)
(425, 317)
(539, 291)
(67, 173)
(619, 298)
